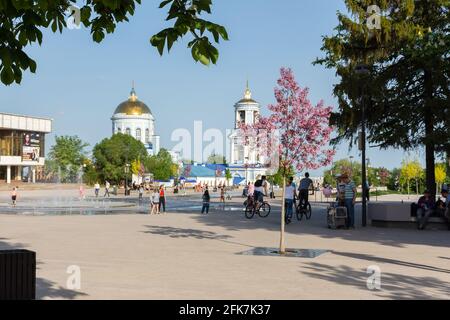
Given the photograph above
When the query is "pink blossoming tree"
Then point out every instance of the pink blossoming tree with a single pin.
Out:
(296, 134)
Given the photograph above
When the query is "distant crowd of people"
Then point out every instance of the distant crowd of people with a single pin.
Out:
(427, 205)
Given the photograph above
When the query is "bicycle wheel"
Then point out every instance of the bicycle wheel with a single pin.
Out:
(308, 212)
(264, 210)
(249, 212)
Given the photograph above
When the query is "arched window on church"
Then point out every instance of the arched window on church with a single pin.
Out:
(147, 136)
(119, 130)
(242, 117)
(128, 131)
(138, 134)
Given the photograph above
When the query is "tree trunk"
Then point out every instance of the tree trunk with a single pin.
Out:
(407, 185)
(283, 209)
(417, 186)
(430, 148)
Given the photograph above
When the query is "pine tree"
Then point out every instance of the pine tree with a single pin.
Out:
(407, 91)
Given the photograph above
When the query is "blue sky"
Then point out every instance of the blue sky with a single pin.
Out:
(79, 83)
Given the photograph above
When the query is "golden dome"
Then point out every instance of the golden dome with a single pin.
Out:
(247, 96)
(133, 107)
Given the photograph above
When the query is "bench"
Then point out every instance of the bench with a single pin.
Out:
(399, 214)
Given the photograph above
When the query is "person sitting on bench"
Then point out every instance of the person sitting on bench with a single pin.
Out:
(443, 207)
(426, 208)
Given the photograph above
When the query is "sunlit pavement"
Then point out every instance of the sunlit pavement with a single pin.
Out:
(186, 255)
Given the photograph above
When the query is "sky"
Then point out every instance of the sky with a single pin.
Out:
(79, 83)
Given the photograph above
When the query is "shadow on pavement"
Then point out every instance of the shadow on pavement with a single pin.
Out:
(317, 226)
(180, 233)
(393, 286)
(367, 257)
(46, 289)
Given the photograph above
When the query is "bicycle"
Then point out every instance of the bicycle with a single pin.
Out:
(303, 211)
(260, 208)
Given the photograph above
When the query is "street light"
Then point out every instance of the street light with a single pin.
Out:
(127, 170)
(246, 169)
(363, 71)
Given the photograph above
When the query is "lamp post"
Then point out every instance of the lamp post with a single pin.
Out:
(351, 163)
(127, 170)
(363, 71)
(246, 169)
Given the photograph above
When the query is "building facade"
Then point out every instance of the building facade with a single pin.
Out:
(133, 117)
(22, 146)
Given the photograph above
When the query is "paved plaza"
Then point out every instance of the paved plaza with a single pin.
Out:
(185, 255)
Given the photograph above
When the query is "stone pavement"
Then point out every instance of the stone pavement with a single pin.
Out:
(186, 255)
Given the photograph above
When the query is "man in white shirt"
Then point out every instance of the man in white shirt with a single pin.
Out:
(289, 197)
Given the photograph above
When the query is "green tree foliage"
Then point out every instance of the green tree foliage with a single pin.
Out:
(22, 21)
(441, 174)
(67, 157)
(344, 166)
(161, 166)
(186, 14)
(228, 176)
(407, 92)
(277, 178)
(111, 155)
(216, 159)
(411, 170)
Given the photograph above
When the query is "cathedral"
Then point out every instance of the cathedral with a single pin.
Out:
(133, 117)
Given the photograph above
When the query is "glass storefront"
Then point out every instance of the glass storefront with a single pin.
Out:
(11, 143)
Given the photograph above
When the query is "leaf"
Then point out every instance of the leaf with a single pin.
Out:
(7, 75)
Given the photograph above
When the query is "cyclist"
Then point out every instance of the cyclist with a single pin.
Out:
(305, 185)
(261, 187)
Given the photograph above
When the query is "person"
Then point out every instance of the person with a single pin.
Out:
(289, 197)
(251, 189)
(443, 207)
(97, 189)
(81, 192)
(291, 180)
(327, 191)
(206, 201)
(349, 196)
(303, 190)
(155, 202)
(260, 189)
(245, 192)
(367, 187)
(222, 195)
(14, 196)
(27, 141)
(162, 198)
(107, 186)
(141, 192)
(426, 207)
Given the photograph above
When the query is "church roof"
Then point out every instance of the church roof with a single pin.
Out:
(247, 97)
(133, 106)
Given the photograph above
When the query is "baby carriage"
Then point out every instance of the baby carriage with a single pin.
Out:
(337, 213)
(336, 216)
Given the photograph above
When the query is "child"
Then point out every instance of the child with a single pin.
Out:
(155, 202)
(14, 196)
(206, 201)
(141, 193)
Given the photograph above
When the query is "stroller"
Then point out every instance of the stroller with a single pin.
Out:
(336, 216)
(337, 213)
